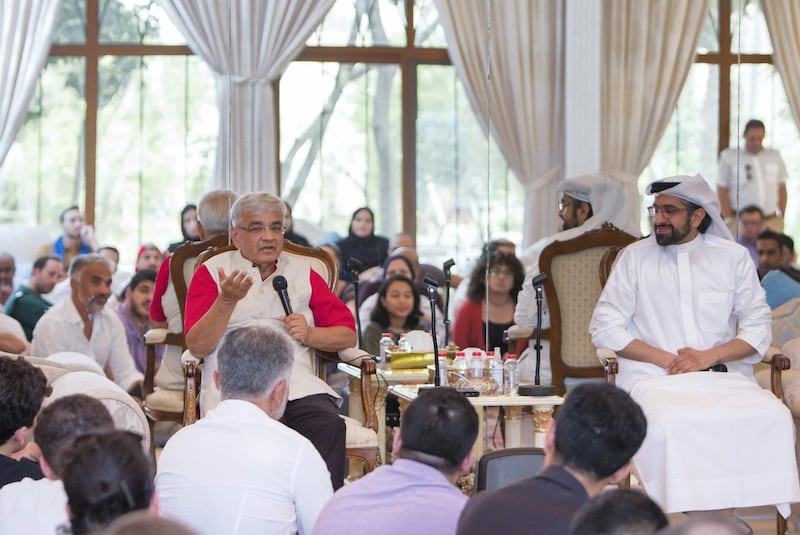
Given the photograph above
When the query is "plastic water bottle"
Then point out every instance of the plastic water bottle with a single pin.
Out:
(496, 370)
(459, 370)
(443, 365)
(386, 343)
(511, 382)
(403, 344)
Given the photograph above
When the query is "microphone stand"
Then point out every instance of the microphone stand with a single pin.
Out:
(432, 286)
(355, 268)
(446, 268)
(537, 389)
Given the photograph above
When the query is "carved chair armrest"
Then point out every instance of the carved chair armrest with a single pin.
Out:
(608, 359)
(190, 371)
(778, 362)
(152, 338)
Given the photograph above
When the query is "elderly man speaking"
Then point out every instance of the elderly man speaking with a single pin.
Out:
(678, 304)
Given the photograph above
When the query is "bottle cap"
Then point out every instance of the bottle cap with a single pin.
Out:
(511, 356)
(386, 335)
(442, 353)
(460, 354)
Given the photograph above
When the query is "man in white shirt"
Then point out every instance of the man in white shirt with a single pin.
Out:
(238, 469)
(82, 324)
(586, 203)
(753, 176)
(676, 304)
(39, 506)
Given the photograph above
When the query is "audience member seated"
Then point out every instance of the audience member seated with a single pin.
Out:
(82, 324)
(105, 475)
(7, 270)
(460, 295)
(269, 479)
(12, 337)
(27, 305)
(145, 522)
(149, 257)
(135, 316)
(586, 203)
(289, 233)
(119, 279)
(788, 257)
(768, 249)
(588, 445)
(677, 305)
(402, 265)
(751, 224)
(22, 389)
(779, 286)
(397, 311)
(188, 227)
(362, 244)
(417, 493)
(619, 512)
(39, 506)
(235, 288)
(491, 302)
(77, 238)
(213, 220)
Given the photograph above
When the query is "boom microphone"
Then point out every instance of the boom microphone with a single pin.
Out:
(280, 285)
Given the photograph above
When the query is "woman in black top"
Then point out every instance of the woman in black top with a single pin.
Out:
(363, 245)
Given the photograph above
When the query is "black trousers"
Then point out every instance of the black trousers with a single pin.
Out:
(317, 418)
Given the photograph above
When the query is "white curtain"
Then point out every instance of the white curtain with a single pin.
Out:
(783, 22)
(248, 44)
(26, 28)
(522, 100)
(648, 48)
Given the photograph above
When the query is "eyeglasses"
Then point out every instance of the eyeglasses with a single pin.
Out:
(748, 169)
(667, 211)
(276, 228)
(504, 272)
(564, 204)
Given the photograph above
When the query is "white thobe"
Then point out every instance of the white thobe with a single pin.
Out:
(714, 440)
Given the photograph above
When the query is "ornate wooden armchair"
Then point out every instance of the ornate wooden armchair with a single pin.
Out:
(362, 437)
(572, 289)
(162, 404)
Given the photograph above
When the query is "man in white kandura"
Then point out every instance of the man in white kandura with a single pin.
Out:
(586, 203)
(677, 303)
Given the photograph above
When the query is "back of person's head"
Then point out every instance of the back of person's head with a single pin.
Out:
(438, 429)
(23, 386)
(106, 475)
(145, 522)
(78, 263)
(63, 420)
(619, 512)
(251, 361)
(213, 212)
(257, 202)
(598, 429)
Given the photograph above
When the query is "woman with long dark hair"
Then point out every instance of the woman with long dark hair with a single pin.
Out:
(397, 311)
(362, 244)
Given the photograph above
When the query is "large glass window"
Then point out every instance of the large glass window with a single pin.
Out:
(123, 124)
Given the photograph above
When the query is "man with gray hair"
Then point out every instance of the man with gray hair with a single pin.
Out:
(236, 288)
(213, 220)
(270, 479)
(82, 324)
(679, 307)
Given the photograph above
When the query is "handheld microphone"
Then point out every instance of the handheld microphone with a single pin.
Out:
(354, 265)
(539, 279)
(280, 285)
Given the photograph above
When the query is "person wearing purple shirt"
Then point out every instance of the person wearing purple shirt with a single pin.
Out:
(751, 223)
(134, 312)
(416, 494)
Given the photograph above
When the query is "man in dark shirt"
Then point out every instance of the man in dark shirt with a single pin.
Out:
(22, 389)
(26, 304)
(588, 446)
